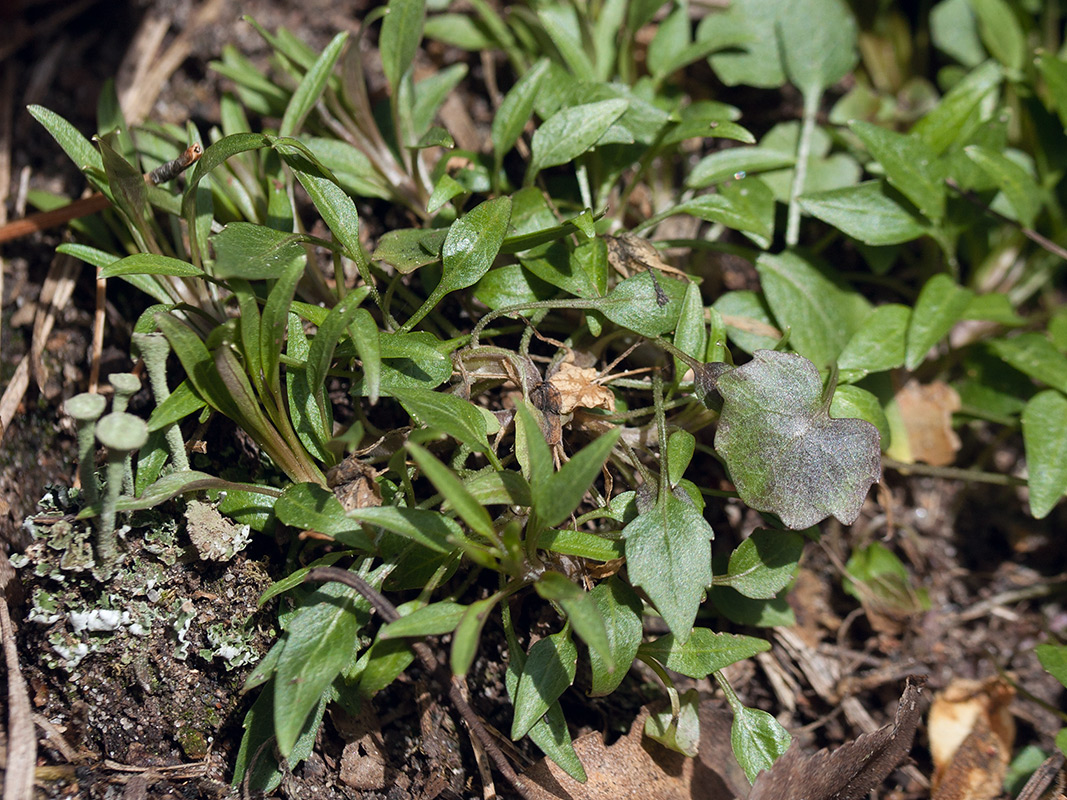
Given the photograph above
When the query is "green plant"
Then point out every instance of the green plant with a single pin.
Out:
(544, 242)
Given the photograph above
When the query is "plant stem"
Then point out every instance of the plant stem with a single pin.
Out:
(800, 171)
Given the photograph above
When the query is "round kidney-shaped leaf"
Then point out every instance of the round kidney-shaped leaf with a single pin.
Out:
(785, 454)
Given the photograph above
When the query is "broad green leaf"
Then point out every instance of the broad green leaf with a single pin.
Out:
(435, 619)
(311, 86)
(511, 284)
(570, 132)
(704, 652)
(407, 249)
(735, 163)
(254, 252)
(1045, 437)
(150, 264)
(940, 305)
(1035, 355)
(399, 38)
(550, 668)
(471, 245)
(869, 211)
(499, 487)
(636, 304)
(449, 414)
(953, 117)
(409, 361)
(764, 563)
(758, 61)
(620, 608)
(381, 664)
(995, 308)
(745, 205)
(556, 498)
(1054, 71)
(311, 507)
(878, 344)
(680, 448)
(446, 482)
(672, 37)
(785, 454)
(818, 43)
(852, 402)
(515, 109)
(580, 543)
(1018, 185)
(319, 643)
(681, 733)
(820, 314)
(748, 320)
(1053, 658)
(954, 30)
(668, 554)
(757, 739)
(550, 732)
(1001, 32)
(431, 529)
(910, 166)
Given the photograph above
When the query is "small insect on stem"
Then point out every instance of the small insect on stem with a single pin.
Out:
(172, 169)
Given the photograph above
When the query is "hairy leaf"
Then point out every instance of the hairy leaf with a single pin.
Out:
(785, 454)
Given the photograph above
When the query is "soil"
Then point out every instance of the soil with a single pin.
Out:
(157, 710)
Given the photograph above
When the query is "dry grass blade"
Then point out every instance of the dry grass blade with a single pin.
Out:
(21, 737)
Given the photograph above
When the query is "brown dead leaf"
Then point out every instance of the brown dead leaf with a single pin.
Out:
(971, 737)
(926, 411)
(353, 484)
(852, 770)
(578, 389)
(638, 767)
(627, 253)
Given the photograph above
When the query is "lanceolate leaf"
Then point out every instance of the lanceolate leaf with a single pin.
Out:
(472, 243)
(401, 32)
(784, 452)
(570, 132)
(703, 652)
(941, 305)
(312, 86)
(818, 42)
(1045, 436)
(868, 211)
(910, 166)
(320, 642)
(620, 608)
(550, 668)
(668, 554)
(582, 613)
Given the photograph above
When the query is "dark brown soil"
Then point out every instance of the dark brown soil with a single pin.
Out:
(159, 713)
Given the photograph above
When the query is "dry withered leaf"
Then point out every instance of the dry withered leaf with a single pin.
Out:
(578, 389)
(637, 767)
(627, 253)
(971, 737)
(851, 771)
(926, 411)
(353, 484)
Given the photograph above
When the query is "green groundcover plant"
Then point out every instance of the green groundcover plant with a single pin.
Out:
(893, 212)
